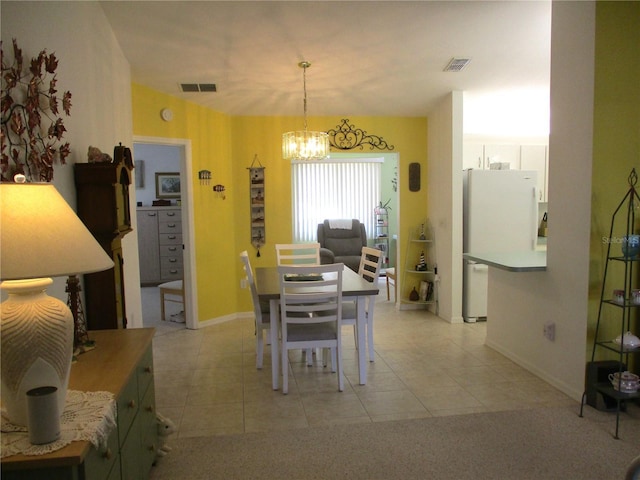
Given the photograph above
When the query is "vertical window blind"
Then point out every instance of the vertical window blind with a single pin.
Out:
(333, 190)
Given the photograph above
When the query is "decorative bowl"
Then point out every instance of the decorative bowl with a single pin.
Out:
(626, 382)
(631, 245)
(628, 340)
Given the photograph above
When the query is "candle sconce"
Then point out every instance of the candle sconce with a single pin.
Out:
(204, 176)
(220, 189)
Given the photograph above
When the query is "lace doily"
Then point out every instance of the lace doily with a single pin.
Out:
(89, 416)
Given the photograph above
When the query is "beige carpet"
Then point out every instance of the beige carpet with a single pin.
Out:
(540, 444)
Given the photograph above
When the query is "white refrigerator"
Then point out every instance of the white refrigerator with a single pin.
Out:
(500, 214)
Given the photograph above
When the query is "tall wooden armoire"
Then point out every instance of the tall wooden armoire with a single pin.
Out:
(103, 205)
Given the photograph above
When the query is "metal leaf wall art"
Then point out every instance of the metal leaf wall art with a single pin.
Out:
(346, 137)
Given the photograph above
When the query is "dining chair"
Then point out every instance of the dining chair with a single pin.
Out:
(298, 253)
(175, 289)
(260, 311)
(311, 313)
(369, 269)
(391, 280)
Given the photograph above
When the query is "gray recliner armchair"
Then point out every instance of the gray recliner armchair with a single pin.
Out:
(342, 245)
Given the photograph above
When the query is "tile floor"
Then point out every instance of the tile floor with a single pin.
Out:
(208, 384)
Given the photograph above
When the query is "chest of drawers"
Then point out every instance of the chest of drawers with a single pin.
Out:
(160, 240)
(121, 363)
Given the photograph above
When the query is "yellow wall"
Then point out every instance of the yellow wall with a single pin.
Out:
(616, 142)
(209, 132)
(227, 146)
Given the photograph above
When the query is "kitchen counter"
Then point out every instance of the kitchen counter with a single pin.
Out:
(531, 261)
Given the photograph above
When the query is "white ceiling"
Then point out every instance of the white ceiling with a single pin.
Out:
(368, 57)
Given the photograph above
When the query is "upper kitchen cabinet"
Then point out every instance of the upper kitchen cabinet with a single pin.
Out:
(534, 157)
(473, 156)
(491, 156)
(516, 156)
(502, 157)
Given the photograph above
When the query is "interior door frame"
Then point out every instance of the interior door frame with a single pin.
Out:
(188, 231)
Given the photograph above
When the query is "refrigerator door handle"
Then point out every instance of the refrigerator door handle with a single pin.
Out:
(534, 235)
(478, 267)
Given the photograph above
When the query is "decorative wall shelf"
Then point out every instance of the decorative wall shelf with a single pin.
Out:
(620, 278)
(257, 204)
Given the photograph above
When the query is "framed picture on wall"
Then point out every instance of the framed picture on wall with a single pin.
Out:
(168, 185)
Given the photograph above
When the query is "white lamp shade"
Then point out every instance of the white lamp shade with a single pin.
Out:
(41, 236)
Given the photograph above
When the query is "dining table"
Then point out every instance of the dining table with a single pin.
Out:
(354, 287)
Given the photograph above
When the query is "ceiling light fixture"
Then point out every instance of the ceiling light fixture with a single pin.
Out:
(305, 145)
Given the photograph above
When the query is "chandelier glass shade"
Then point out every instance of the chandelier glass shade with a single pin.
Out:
(305, 145)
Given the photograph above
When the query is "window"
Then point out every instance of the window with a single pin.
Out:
(333, 189)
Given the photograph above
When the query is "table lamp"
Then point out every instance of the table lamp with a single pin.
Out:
(40, 237)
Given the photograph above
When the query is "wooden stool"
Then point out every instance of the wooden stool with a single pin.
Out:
(391, 279)
(176, 288)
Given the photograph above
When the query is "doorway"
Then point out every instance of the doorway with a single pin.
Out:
(155, 157)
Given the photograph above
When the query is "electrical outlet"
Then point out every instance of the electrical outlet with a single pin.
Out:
(550, 331)
(243, 283)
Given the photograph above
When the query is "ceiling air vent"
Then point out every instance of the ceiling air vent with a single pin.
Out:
(198, 87)
(189, 87)
(457, 64)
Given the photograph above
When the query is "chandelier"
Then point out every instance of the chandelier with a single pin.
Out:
(303, 144)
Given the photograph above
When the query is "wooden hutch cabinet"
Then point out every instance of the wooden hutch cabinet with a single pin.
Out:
(103, 205)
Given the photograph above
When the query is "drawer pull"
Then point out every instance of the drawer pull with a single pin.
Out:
(149, 408)
(151, 214)
(171, 225)
(173, 260)
(171, 237)
(171, 214)
(152, 448)
(173, 271)
(173, 249)
(108, 454)
(131, 404)
(147, 369)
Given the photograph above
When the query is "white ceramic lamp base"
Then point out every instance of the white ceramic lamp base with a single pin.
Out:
(37, 345)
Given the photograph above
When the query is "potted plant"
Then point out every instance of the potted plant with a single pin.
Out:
(382, 209)
(29, 97)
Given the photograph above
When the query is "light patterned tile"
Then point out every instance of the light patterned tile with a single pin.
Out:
(275, 413)
(209, 376)
(391, 403)
(207, 379)
(378, 382)
(205, 420)
(325, 406)
(442, 398)
(170, 395)
(475, 375)
(215, 394)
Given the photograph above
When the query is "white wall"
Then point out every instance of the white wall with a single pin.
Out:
(93, 67)
(520, 303)
(445, 201)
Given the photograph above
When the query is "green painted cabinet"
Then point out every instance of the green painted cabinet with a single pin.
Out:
(121, 363)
